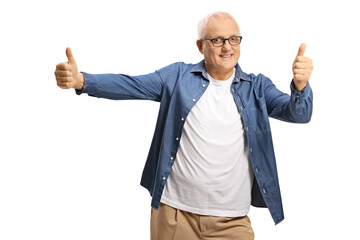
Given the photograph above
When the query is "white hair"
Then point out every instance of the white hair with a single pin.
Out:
(202, 24)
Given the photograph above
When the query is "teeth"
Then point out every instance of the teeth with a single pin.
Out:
(225, 55)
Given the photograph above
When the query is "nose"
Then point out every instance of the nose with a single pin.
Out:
(226, 45)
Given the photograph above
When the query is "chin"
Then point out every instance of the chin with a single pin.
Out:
(229, 65)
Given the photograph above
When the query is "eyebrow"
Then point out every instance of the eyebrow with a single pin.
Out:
(225, 37)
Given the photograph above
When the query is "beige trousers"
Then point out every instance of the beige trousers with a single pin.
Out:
(169, 223)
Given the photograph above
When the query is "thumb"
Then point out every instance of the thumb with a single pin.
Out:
(70, 56)
(301, 49)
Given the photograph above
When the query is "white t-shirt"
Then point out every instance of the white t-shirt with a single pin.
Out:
(212, 174)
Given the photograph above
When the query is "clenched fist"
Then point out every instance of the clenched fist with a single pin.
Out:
(67, 74)
(302, 68)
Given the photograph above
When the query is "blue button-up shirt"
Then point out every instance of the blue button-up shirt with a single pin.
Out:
(178, 87)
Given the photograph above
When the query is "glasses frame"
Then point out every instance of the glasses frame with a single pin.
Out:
(224, 40)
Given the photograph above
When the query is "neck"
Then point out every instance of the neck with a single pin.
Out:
(220, 75)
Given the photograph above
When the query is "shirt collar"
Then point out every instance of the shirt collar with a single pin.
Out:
(239, 74)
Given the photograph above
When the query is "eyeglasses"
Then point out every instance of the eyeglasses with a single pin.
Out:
(220, 41)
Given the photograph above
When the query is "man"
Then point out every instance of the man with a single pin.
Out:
(212, 155)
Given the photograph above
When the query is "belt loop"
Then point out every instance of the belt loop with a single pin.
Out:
(176, 214)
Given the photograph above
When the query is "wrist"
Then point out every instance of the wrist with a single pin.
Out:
(80, 82)
(299, 86)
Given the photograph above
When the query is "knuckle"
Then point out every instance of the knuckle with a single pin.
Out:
(63, 66)
(297, 76)
(60, 66)
(62, 80)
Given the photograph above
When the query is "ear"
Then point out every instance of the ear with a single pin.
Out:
(200, 46)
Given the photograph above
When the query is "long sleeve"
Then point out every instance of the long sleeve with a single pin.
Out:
(296, 108)
(122, 86)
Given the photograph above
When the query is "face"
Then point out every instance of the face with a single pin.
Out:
(220, 60)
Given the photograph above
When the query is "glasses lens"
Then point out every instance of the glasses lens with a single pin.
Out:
(235, 40)
(217, 42)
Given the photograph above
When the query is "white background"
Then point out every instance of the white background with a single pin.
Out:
(70, 166)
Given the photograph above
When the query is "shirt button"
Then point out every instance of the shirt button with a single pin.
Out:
(164, 178)
(204, 85)
(233, 90)
(241, 108)
(264, 190)
(182, 119)
(247, 128)
(171, 158)
(177, 139)
(250, 149)
(257, 170)
(194, 100)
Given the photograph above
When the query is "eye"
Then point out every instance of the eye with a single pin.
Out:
(218, 40)
(235, 40)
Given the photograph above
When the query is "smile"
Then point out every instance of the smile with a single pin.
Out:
(226, 56)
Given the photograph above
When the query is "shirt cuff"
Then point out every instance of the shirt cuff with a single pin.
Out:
(89, 84)
(299, 96)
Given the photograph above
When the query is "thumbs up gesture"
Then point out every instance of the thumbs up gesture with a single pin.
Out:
(302, 68)
(67, 74)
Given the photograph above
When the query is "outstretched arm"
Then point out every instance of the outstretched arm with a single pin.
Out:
(111, 86)
(297, 107)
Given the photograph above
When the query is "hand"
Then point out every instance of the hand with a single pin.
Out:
(67, 74)
(302, 68)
